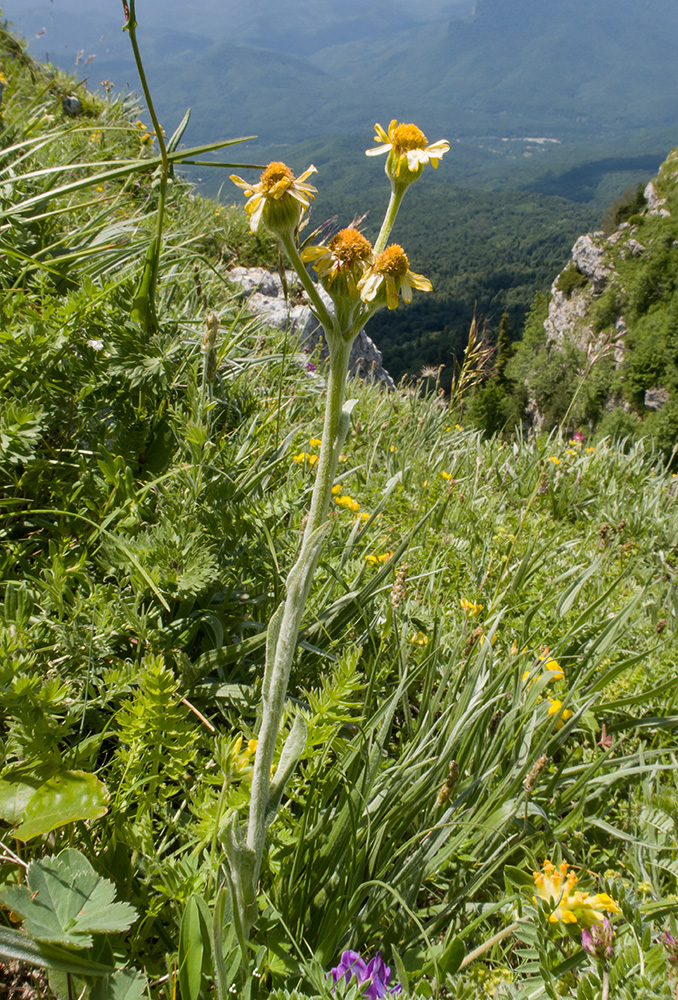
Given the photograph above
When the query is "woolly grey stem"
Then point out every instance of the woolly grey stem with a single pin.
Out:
(245, 858)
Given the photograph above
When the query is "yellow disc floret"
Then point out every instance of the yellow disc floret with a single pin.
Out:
(406, 137)
(276, 179)
(349, 247)
(279, 199)
(393, 262)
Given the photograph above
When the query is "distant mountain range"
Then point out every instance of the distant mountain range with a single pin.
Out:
(569, 69)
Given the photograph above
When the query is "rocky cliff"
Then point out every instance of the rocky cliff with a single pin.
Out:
(610, 334)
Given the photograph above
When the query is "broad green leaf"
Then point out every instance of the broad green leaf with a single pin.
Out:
(195, 947)
(65, 900)
(14, 797)
(64, 798)
(123, 985)
(452, 957)
(18, 947)
(518, 878)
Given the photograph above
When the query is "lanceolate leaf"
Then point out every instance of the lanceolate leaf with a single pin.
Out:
(63, 799)
(65, 900)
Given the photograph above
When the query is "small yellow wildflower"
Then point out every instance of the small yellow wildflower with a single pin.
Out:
(469, 607)
(314, 442)
(551, 664)
(446, 475)
(375, 560)
(555, 706)
(419, 639)
(300, 457)
(458, 427)
(364, 516)
(336, 489)
(311, 459)
(392, 448)
(391, 271)
(448, 428)
(556, 885)
(347, 502)
(590, 449)
(556, 461)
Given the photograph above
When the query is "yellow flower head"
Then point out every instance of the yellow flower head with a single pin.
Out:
(408, 151)
(347, 255)
(347, 502)
(391, 271)
(555, 706)
(551, 665)
(556, 885)
(279, 198)
(446, 475)
(314, 442)
(469, 607)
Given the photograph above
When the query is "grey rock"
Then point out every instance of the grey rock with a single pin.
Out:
(267, 299)
(588, 257)
(631, 249)
(656, 398)
(71, 106)
(655, 204)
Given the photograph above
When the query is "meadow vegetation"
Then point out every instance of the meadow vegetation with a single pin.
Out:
(485, 667)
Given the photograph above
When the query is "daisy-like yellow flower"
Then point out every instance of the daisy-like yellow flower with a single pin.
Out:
(279, 198)
(391, 271)
(408, 150)
(556, 885)
(348, 254)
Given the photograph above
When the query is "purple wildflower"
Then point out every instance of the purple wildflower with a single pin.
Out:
(309, 366)
(671, 946)
(375, 973)
(599, 941)
(579, 436)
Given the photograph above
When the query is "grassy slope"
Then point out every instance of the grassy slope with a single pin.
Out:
(147, 531)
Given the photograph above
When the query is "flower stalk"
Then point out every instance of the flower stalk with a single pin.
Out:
(346, 270)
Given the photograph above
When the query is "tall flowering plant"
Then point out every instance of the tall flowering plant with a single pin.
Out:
(359, 279)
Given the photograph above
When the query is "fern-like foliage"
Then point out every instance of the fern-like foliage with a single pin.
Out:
(335, 703)
(158, 740)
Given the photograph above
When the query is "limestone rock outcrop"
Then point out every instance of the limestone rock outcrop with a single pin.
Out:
(266, 298)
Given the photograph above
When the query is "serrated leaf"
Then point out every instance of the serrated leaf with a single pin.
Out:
(18, 947)
(65, 901)
(64, 798)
